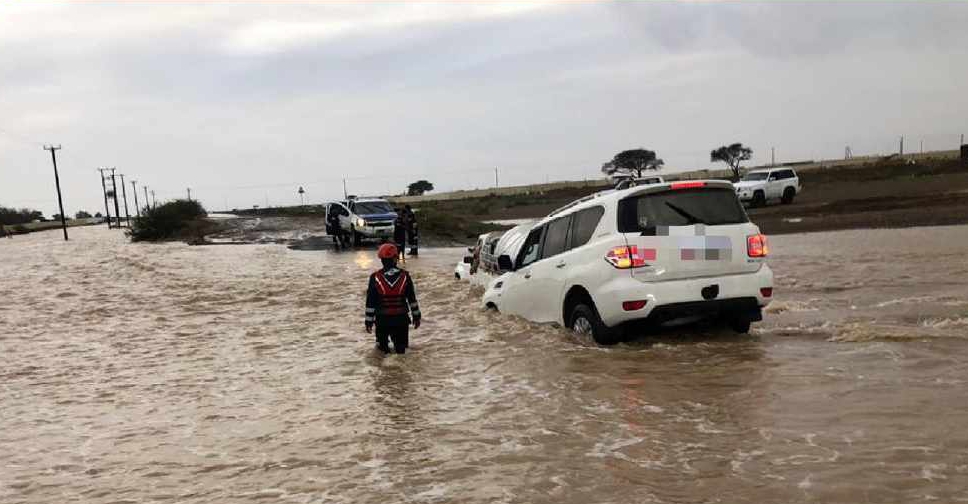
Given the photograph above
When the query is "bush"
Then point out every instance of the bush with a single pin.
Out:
(173, 220)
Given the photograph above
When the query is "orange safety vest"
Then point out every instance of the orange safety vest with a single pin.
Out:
(392, 295)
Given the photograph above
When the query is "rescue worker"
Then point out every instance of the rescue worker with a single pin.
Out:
(410, 219)
(333, 229)
(400, 233)
(391, 301)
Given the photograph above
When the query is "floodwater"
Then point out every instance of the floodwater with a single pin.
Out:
(169, 373)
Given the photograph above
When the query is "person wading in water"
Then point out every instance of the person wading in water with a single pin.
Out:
(391, 301)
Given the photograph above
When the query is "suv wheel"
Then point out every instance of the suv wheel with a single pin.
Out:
(759, 199)
(788, 195)
(585, 320)
(740, 325)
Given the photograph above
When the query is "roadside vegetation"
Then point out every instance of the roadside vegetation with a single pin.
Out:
(441, 227)
(174, 220)
(14, 216)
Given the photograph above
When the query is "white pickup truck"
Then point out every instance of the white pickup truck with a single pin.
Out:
(761, 186)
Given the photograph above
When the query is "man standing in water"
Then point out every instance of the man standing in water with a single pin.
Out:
(400, 233)
(410, 219)
(390, 302)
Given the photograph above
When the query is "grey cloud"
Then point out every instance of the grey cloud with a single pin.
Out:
(162, 91)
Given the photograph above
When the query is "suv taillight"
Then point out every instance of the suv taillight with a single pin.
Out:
(629, 257)
(757, 246)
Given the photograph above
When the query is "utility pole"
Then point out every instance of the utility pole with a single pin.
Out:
(495, 178)
(114, 188)
(124, 194)
(302, 199)
(962, 139)
(922, 146)
(134, 189)
(104, 188)
(267, 199)
(901, 150)
(60, 202)
(772, 156)
(189, 194)
(147, 201)
(344, 189)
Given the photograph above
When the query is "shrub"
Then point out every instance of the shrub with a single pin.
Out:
(173, 220)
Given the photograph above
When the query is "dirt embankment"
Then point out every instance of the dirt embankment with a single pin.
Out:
(884, 194)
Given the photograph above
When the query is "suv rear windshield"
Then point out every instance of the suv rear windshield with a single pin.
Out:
(681, 207)
(373, 207)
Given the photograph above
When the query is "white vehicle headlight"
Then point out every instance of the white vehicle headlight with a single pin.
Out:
(360, 222)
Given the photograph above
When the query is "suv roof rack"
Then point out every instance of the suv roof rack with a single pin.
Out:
(579, 201)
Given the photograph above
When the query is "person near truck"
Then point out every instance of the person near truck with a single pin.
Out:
(400, 233)
(410, 219)
(391, 303)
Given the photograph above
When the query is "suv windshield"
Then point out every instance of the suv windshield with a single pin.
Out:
(756, 176)
(373, 207)
(681, 207)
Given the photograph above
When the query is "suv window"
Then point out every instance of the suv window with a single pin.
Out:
(756, 176)
(373, 207)
(531, 250)
(584, 224)
(788, 174)
(680, 207)
(556, 239)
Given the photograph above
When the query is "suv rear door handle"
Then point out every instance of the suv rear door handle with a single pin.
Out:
(562, 264)
(527, 275)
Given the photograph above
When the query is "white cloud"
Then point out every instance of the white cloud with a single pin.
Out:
(272, 35)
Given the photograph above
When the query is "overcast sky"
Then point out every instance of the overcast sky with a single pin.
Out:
(244, 102)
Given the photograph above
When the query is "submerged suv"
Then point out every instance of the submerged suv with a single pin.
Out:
(370, 218)
(646, 255)
(760, 186)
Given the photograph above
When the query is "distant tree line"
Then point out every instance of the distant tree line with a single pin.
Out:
(14, 216)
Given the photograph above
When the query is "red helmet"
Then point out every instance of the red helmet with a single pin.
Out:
(387, 251)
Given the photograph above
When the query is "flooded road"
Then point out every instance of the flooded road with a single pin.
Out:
(168, 373)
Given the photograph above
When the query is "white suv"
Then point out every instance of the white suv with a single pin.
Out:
(371, 218)
(652, 254)
(760, 186)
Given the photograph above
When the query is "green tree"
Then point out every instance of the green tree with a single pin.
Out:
(174, 219)
(732, 155)
(12, 216)
(419, 187)
(633, 162)
(82, 215)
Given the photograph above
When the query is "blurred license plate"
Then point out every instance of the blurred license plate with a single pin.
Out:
(705, 248)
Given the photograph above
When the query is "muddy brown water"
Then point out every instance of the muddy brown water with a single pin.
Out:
(169, 373)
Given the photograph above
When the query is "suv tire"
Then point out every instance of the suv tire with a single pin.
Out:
(740, 324)
(788, 195)
(584, 319)
(759, 199)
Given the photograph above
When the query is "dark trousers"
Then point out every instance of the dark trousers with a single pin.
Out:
(399, 334)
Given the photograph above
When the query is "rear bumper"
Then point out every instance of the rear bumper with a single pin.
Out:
(737, 294)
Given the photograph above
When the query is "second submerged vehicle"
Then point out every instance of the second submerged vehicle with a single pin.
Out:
(651, 254)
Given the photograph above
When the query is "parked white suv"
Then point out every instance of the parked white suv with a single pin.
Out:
(760, 186)
(651, 254)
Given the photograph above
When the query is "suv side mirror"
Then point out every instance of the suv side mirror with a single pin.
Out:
(504, 263)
